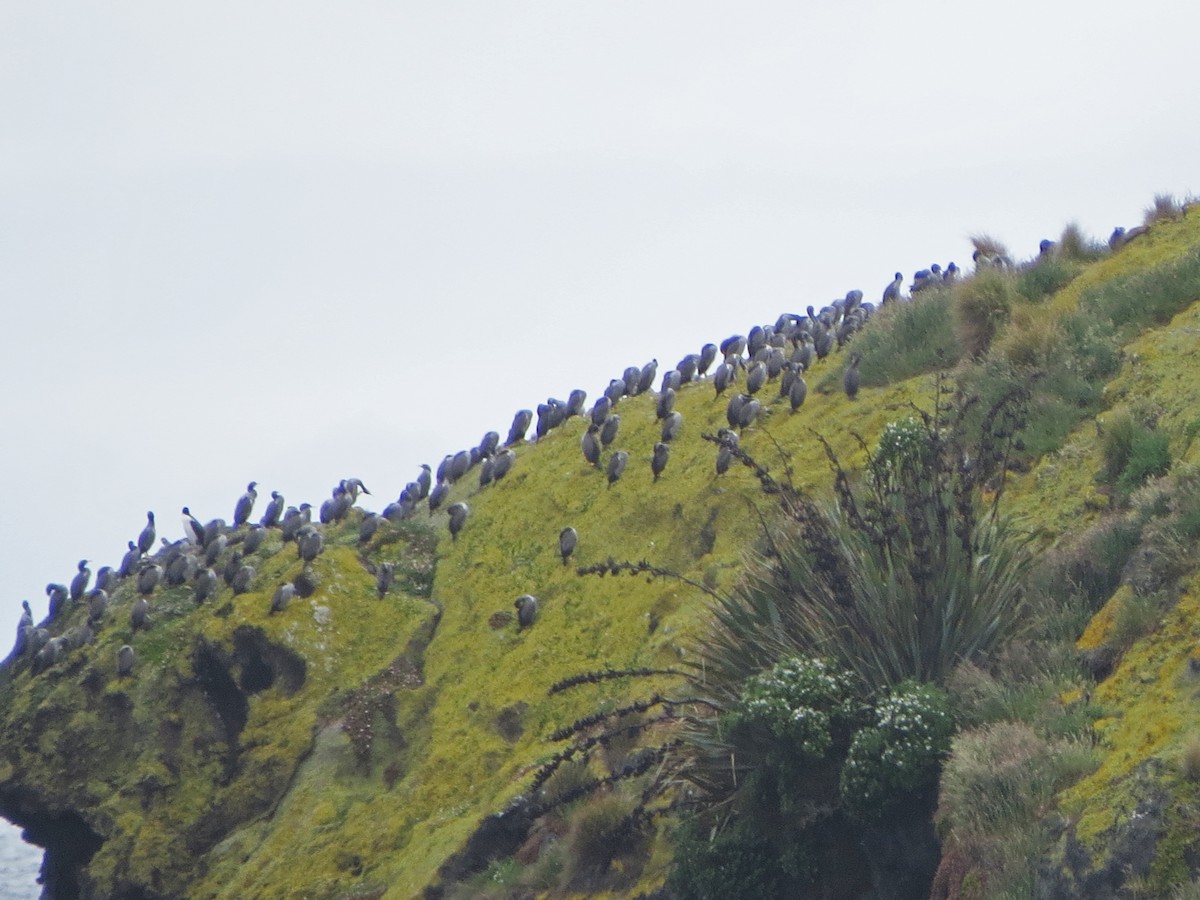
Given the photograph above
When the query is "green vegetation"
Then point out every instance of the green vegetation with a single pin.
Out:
(358, 747)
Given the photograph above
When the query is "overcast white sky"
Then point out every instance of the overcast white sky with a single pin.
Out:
(295, 242)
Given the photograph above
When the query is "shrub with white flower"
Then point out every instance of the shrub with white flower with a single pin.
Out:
(900, 754)
(905, 444)
(800, 701)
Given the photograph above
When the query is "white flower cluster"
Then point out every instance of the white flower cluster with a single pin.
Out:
(795, 701)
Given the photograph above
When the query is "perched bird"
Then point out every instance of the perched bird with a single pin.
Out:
(79, 584)
(139, 615)
(148, 576)
(106, 578)
(192, 529)
(294, 520)
(520, 424)
(254, 538)
(58, 596)
(527, 607)
(309, 542)
(25, 626)
(798, 391)
(600, 410)
(383, 578)
(241, 581)
(129, 561)
(245, 505)
(756, 377)
(97, 606)
(458, 518)
(851, 378)
(368, 527)
(616, 466)
(125, 661)
(567, 539)
(666, 403)
(892, 291)
(146, 539)
(590, 444)
(424, 481)
(671, 426)
(283, 596)
(273, 512)
(658, 461)
(438, 495)
(502, 463)
(608, 432)
(205, 585)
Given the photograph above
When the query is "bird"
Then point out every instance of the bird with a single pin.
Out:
(520, 424)
(383, 578)
(575, 401)
(106, 578)
(671, 379)
(646, 379)
(851, 378)
(192, 529)
(666, 403)
(309, 543)
(527, 607)
(125, 661)
(723, 377)
(756, 377)
(708, 353)
(658, 462)
(129, 561)
(892, 291)
(139, 615)
(600, 410)
(567, 539)
(146, 539)
(205, 585)
(283, 596)
(458, 517)
(254, 538)
(671, 426)
(502, 463)
(245, 505)
(590, 444)
(488, 443)
(273, 512)
(97, 605)
(424, 481)
(231, 566)
(148, 576)
(214, 548)
(438, 495)
(25, 625)
(58, 596)
(368, 527)
(79, 584)
(486, 471)
(616, 465)
(733, 411)
(241, 581)
(293, 520)
(608, 432)
(616, 390)
(798, 391)
(749, 412)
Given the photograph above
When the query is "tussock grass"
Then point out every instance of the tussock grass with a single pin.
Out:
(902, 340)
(1074, 246)
(1145, 297)
(1164, 208)
(981, 306)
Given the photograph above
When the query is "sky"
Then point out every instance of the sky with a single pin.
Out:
(295, 243)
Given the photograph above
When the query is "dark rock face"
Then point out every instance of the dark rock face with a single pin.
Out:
(1130, 849)
(69, 842)
(498, 836)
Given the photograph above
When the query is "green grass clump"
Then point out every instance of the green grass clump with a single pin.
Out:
(996, 790)
(1073, 245)
(1145, 297)
(1133, 452)
(981, 306)
(903, 339)
(1045, 277)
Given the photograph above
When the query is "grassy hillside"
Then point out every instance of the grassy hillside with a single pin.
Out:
(352, 746)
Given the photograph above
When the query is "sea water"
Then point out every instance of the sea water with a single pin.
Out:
(19, 865)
